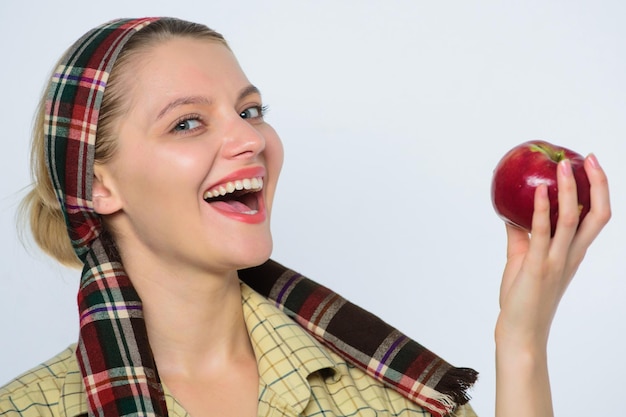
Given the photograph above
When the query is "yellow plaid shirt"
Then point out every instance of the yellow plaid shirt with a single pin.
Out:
(298, 377)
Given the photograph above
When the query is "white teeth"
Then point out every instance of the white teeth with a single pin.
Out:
(254, 184)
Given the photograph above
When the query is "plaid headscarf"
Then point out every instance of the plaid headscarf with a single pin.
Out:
(119, 372)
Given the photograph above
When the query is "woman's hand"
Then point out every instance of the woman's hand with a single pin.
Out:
(537, 273)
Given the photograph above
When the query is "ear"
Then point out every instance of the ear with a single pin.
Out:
(104, 194)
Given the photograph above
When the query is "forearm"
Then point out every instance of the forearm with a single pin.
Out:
(523, 384)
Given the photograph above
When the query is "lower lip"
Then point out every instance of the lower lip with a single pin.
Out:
(255, 218)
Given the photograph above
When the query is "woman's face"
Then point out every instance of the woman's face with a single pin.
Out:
(193, 137)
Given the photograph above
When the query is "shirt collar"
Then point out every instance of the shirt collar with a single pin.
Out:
(286, 354)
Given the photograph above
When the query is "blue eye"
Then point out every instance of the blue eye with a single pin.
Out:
(189, 123)
(255, 112)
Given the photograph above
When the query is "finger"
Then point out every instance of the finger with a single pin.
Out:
(517, 241)
(540, 232)
(517, 247)
(600, 211)
(569, 214)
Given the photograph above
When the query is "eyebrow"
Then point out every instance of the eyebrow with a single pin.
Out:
(181, 102)
(249, 90)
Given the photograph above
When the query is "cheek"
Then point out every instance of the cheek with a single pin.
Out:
(148, 174)
(274, 154)
(274, 151)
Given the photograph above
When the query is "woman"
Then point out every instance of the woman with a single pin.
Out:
(165, 172)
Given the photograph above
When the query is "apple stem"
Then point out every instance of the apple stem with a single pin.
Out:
(553, 154)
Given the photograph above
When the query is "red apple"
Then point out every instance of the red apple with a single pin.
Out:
(522, 169)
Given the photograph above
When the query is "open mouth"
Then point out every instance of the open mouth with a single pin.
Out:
(240, 196)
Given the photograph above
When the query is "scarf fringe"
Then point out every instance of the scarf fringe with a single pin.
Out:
(456, 383)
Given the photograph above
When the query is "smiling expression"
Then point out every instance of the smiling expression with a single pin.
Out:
(193, 177)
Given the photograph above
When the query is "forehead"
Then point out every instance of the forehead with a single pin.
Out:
(183, 66)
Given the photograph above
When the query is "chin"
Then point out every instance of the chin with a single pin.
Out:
(255, 256)
(257, 263)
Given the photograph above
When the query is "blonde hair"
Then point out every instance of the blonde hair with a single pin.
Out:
(40, 207)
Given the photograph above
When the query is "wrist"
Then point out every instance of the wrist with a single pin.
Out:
(521, 357)
(520, 341)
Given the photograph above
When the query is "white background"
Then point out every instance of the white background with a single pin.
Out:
(393, 115)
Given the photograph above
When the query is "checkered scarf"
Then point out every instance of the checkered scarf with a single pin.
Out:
(119, 372)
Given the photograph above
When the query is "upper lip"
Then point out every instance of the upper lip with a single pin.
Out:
(239, 175)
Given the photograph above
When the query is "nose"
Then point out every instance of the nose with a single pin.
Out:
(242, 139)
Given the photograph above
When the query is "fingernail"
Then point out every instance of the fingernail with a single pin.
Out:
(593, 161)
(566, 167)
